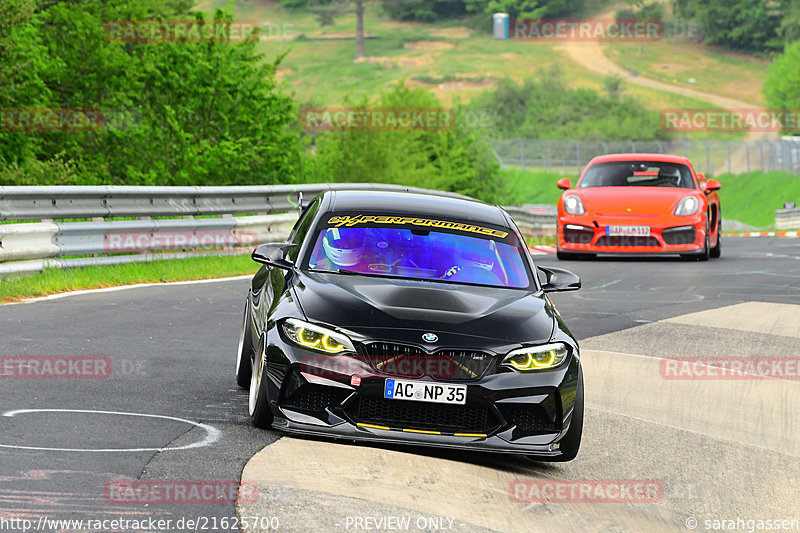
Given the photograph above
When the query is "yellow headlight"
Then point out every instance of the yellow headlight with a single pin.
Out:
(316, 337)
(537, 357)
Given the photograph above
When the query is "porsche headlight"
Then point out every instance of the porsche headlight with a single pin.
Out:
(535, 358)
(573, 205)
(688, 206)
(313, 337)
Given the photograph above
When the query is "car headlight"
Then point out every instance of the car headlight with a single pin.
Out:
(313, 337)
(688, 206)
(535, 358)
(573, 205)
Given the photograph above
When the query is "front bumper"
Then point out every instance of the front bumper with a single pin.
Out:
(506, 411)
(668, 235)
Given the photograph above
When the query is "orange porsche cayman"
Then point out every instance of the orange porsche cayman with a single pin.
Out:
(650, 204)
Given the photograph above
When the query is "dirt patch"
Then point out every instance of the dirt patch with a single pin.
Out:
(339, 35)
(465, 85)
(428, 46)
(280, 38)
(452, 33)
(282, 72)
(399, 61)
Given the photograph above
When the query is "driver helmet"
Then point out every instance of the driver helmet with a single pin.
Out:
(344, 247)
(670, 173)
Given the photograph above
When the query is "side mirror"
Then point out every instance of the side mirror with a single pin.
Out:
(564, 183)
(271, 254)
(560, 280)
(711, 186)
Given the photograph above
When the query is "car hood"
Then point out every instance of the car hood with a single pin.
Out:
(632, 201)
(365, 304)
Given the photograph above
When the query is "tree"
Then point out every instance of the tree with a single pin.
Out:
(327, 10)
(198, 113)
(526, 9)
(453, 157)
(424, 10)
(360, 29)
(745, 25)
(782, 84)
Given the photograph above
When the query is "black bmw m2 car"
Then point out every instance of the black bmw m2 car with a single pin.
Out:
(415, 319)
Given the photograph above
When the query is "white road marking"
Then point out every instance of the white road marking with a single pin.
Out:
(212, 433)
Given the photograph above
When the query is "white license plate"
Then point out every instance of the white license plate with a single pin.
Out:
(628, 231)
(424, 391)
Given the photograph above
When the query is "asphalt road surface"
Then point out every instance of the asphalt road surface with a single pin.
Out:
(167, 408)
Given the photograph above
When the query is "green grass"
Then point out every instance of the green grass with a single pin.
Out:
(750, 198)
(524, 187)
(456, 62)
(754, 197)
(714, 70)
(53, 281)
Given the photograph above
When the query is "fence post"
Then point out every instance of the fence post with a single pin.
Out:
(549, 155)
(747, 151)
(522, 154)
(728, 145)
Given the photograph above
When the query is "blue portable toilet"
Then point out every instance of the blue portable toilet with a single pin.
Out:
(500, 25)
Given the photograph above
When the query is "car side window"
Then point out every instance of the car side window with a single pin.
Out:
(300, 229)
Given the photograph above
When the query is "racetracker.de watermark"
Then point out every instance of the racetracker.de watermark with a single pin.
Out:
(180, 31)
(587, 30)
(377, 119)
(55, 367)
(731, 120)
(67, 119)
(195, 492)
(730, 368)
(586, 491)
(142, 241)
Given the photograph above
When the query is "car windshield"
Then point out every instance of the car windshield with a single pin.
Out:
(433, 250)
(638, 174)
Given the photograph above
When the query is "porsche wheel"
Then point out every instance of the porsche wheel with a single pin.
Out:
(244, 353)
(716, 251)
(258, 403)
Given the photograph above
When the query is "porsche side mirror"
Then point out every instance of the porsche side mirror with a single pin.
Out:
(564, 183)
(559, 280)
(711, 186)
(271, 254)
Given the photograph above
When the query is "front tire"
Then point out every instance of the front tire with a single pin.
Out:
(244, 356)
(258, 401)
(571, 442)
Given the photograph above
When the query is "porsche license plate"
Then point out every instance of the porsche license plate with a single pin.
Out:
(425, 391)
(628, 231)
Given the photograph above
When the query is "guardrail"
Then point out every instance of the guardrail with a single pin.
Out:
(37, 203)
(51, 242)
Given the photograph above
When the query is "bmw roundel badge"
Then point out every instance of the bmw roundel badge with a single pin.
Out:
(430, 337)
